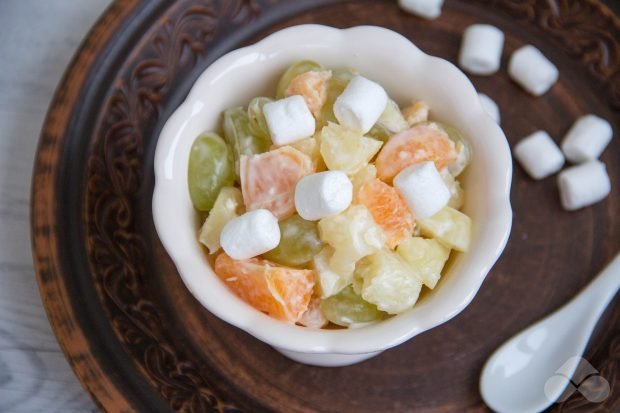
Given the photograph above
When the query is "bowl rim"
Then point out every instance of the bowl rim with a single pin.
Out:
(376, 337)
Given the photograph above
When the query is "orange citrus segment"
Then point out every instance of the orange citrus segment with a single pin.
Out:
(419, 144)
(313, 317)
(268, 180)
(388, 209)
(281, 292)
(312, 86)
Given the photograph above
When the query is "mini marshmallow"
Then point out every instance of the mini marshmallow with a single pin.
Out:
(587, 139)
(490, 107)
(423, 188)
(481, 49)
(532, 70)
(322, 195)
(252, 234)
(289, 120)
(427, 9)
(361, 104)
(583, 185)
(539, 155)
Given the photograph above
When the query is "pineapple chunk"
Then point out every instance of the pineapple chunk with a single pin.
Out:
(451, 227)
(389, 283)
(364, 175)
(312, 148)
(392, 119)
(390, 123)
(416, 113)
(353, 234)
(358, 283)
(457, 195)
(228, 205)
(328, 282)
(426, 257)
(346, 150)
(462, 149)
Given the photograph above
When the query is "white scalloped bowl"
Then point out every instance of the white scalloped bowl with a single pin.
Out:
(407, 73)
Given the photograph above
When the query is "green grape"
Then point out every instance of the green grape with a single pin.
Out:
(335, 86)
(239, 134)
(299, 242)
(294, 71)
(344, 76)
(210, 169)
(347, 308)
(380, 133)
(258, 124)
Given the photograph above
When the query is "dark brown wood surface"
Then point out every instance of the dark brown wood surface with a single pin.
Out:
(139, 341)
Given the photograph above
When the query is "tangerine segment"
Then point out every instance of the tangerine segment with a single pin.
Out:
(421, 143)
(281, 292)
(268, 180)
(312, 86)
(313, 317)
(388, 209)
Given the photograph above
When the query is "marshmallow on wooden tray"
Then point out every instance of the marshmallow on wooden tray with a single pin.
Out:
(289, 120)
(539, 155)
(587, 139)
(361, 104)
(481, 49)
(423, 188)
(428, 9)
(490, 107)
(322, 195)
(252, 234)
(583, 185)
(532, 70)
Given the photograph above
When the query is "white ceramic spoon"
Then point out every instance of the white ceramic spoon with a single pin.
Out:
(515, 379)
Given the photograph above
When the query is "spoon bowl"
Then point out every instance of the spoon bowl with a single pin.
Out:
(531, 370)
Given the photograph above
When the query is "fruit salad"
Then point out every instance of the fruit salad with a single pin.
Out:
(328, 205)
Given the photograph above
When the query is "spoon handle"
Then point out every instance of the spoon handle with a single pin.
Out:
(602, 289)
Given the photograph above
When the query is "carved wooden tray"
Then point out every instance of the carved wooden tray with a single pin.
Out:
(135, 336)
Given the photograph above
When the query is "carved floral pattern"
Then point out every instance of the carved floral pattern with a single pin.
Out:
(115, 184)
(170, 50)
(585, 30)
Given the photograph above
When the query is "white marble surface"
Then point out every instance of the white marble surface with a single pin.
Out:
(37, 40)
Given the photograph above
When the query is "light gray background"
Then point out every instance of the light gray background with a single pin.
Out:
(37, 41)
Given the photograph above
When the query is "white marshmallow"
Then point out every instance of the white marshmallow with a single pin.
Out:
(361, 104)
(289, 120)
(532, 70)
(587, 139)
(428, 9)
(583, 185)
(490, 107)
(252, 234)
(481, 49)
(322, 195)
(423, 188)
(539, 155)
